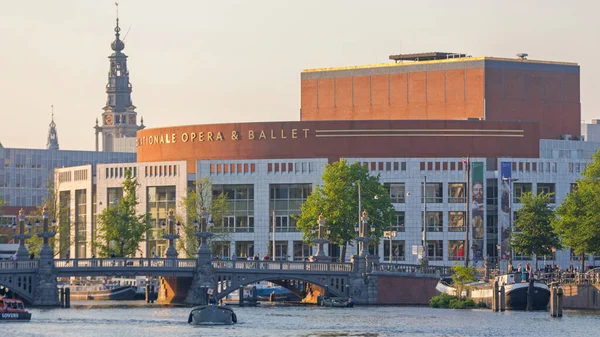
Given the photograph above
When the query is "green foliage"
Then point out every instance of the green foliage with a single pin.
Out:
(533, 226)
(578, 222)
(56, 210)
(446, 301)
(461, 275)
(337, 201)
(1, 204)
(120, 229)
(198, 198)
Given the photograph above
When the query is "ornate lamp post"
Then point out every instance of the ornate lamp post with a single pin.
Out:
(553, 256)
(362, 236)
(202, 231)
(319, 241)
(22, 253)
(171, 236)
(46, 251)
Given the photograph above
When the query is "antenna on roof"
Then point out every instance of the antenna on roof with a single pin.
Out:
(522, 56)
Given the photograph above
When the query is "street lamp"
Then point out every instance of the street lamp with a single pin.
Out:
(553, 256)
(171, 236)
(46, 251)
(202, 231)
(319, 241)
(22, 253)
(362, 236)
(390, 235)
(510, 215)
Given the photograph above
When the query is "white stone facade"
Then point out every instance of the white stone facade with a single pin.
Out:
(552, 172)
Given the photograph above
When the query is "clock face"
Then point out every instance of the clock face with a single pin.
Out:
(109, 119)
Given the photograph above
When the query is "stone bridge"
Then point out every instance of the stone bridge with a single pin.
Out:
(35, 280)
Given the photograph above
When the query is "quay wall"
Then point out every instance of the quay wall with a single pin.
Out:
(581, 296)
(173, 289)
(406, 289)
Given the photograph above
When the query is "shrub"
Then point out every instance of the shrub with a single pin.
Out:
(447, 301)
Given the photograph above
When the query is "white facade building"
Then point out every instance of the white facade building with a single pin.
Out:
(257, 189)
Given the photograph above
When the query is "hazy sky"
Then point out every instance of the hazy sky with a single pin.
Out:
(194, 62)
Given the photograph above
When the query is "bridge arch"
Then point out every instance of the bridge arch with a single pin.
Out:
(21, 285)
(227, 284)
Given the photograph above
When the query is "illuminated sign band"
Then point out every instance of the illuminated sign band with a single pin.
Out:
(217, 136)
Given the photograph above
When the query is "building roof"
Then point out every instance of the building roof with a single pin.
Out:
(449, 60)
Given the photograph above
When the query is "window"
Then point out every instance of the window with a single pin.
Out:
(302, 251)
(456, 222)
(456, 250)
(572, 187)
(244, 249)
(397, 251)
(435, 221)
(160, 200)
(80, 223)
(519, 190)
(281, 249)
(113, 195)
(433, 191)
(240, 207)
(435, 250)
(285, 202)
(220, 249)
(547, 188)
(399, 225)
(397, 192)
(456, 193)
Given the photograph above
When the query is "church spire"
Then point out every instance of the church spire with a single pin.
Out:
(52, 143)
(119, 119)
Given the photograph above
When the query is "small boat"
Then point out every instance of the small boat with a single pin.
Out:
(337, 302)
(212, 314)
(13, 310)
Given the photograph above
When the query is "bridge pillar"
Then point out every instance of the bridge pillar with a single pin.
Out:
(46, 288)
(204, 279)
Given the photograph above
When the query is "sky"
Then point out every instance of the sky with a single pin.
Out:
(197, 62)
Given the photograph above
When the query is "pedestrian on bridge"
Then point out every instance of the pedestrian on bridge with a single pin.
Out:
(32, 256)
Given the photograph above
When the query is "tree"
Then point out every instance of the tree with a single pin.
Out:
(461, 275)
(57, 210)
(533, 226)
(337, 201)
(120, 229)
(578, 222)
(199, 198)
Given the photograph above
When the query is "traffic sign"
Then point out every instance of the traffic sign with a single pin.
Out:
(389, 234)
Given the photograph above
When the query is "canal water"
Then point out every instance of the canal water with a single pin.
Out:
(138, 319)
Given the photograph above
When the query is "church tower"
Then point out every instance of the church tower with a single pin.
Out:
(52, 143)
(119, 119)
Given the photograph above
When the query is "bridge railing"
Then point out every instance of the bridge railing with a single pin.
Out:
(125, 263)
(29, 264)
(413, 268)
(283, 266)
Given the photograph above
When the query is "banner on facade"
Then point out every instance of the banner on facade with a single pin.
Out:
(477, 210)
(504, 214)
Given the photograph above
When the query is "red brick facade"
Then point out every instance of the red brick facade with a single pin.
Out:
(482, 88)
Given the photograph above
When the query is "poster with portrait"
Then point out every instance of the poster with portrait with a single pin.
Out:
(504, 214)
(477, 210)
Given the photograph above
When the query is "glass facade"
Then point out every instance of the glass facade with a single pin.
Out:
(397, 192)
(240, 207)
(80, 223)
(160, 200)
(302, 251)
(113, 195)
(456, 221)
(244, 249)
(285, 201)
(456, 193)
(397, 251)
